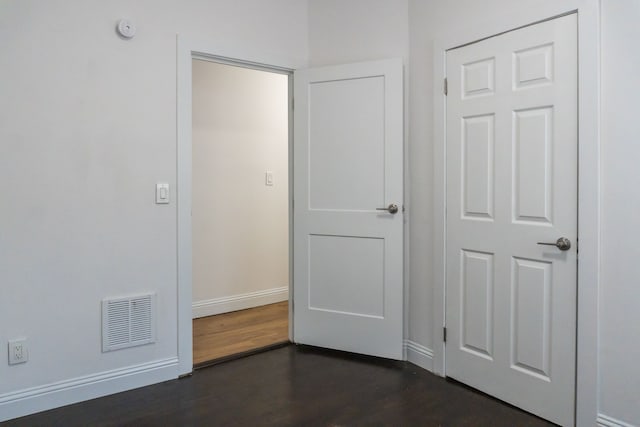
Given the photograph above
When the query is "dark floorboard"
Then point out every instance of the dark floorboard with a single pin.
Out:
(294, 386)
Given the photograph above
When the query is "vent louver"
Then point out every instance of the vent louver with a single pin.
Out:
(128, 322)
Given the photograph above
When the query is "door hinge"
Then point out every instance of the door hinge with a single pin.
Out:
(446, 87)
(444, 334)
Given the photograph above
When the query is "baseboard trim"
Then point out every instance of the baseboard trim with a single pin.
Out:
(607, 421)
(62, 393)
(419, 355)
(215, 306)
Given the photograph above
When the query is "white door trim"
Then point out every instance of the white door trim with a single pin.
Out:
(186, 50)
(588, 190)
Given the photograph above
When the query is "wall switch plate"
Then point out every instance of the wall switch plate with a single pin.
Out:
(268, 178)
(18, 351)
(162, 193)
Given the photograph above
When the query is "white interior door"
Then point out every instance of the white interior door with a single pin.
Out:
(511, 183)
(348, 163)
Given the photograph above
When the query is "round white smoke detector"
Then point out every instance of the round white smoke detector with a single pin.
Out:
(126, 28)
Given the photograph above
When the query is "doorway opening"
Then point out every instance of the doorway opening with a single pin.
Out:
(240, 210)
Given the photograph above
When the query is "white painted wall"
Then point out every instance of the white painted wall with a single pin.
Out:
(240, 225)
(357, 30)
(87, 127)
(620, 270)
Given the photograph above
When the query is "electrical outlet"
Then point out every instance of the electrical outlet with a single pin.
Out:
(18, 351)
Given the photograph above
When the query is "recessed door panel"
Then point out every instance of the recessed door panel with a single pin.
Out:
(530, 316)
(478, 78)
(532, 147)
(533, 66)
(345, 121)
(477, 166)
(346, 275)
(477, 303)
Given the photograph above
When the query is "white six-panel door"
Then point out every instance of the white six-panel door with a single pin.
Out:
(511, 183)
(348, 162)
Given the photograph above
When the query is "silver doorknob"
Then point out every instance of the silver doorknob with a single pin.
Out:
(392, 208)
(562, 243)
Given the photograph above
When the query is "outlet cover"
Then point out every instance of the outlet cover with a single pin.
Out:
(18, 351)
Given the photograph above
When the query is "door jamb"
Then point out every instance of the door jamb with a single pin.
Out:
(186, 50)
(588, 12)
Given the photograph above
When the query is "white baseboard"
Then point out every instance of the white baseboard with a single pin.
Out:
(239, 302)
(62, 393)
(607, 421)
(419, 355)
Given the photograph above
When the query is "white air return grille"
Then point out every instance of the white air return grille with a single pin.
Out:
(128, 322)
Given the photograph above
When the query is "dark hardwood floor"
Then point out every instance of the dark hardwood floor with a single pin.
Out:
(295, 386)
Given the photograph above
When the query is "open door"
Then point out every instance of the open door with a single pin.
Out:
(348, 208)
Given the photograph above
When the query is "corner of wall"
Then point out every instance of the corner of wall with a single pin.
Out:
(419, 355)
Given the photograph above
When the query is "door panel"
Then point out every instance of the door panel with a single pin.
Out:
(477, 166)
(346, 275)
(336, 145)
(477, 302)
(511, 183)
(531, 316)
(533, 188)
(348, 144)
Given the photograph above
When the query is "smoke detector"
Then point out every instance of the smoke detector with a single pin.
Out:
(126, 28)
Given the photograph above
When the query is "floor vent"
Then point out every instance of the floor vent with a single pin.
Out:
(128, 322)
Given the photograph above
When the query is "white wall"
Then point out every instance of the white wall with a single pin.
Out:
(620, 270)
(357, 30)
(240, 225)
(87, 127)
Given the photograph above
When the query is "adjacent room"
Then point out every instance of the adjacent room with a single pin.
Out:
(240, 209)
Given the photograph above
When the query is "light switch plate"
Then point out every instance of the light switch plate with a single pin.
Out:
(268, 178)
(162, 193)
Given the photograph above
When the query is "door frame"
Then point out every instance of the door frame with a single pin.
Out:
(186, 51)
(588, 13)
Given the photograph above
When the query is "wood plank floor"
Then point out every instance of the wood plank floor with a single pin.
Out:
(295, 386)
(223, 335)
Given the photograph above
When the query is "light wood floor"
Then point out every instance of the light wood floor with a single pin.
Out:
(223, 335)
